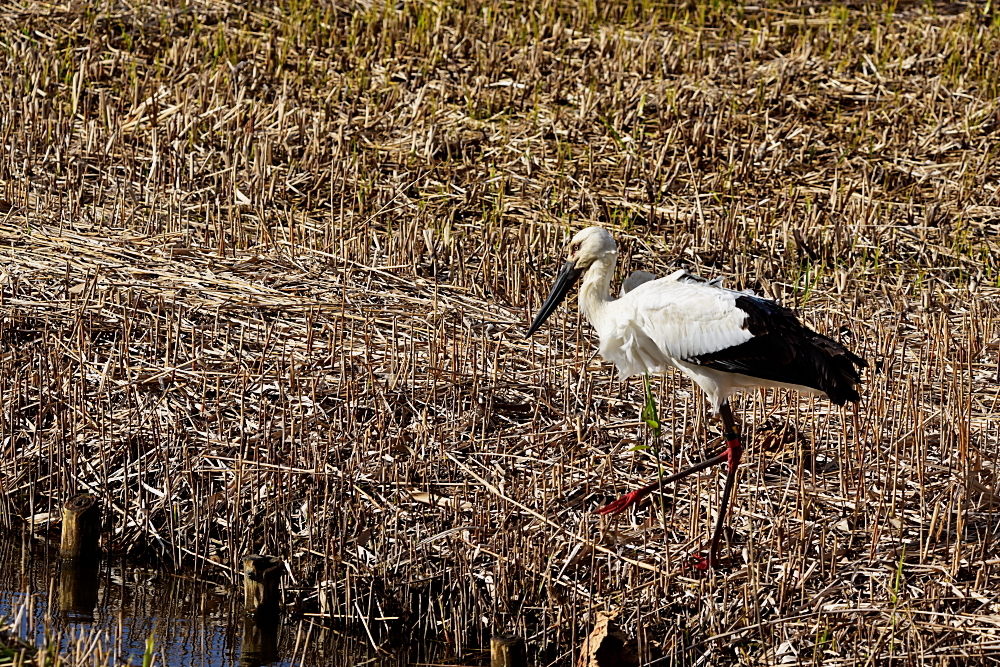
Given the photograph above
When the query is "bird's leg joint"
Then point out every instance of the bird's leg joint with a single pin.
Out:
(734, 452)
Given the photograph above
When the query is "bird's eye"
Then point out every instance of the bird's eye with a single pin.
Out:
(574, 248)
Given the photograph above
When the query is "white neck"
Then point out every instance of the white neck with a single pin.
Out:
(595, 292)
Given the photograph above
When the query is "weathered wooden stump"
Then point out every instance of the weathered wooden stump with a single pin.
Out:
(81, 527)
(507, 651)
(261, 575)
(607, 646)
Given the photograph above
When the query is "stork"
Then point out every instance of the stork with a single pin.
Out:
(722, 339)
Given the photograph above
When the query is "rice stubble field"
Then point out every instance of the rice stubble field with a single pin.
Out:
(266, 270)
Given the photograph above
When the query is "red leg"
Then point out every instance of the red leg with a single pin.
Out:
(634, 497)
(733, 455)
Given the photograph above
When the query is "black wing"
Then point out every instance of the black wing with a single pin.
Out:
(784, 350)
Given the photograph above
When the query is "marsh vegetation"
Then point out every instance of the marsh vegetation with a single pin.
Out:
(266, 268)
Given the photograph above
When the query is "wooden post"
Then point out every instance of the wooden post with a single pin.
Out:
(81, 526)
(261, 575)
(507, 651)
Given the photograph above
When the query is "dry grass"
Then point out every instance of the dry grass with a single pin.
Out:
(266, 271)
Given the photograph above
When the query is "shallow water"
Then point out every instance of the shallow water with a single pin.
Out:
(192, 622)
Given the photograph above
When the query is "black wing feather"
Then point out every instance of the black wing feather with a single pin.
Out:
(784, 350)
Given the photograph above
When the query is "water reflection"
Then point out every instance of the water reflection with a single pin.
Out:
(193, 622)
(79, 583)
(260, 641)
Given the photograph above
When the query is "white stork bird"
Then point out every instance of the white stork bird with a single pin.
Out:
(723, 339)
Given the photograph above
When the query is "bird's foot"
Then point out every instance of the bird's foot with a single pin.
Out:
(703, 563)
(626, 501)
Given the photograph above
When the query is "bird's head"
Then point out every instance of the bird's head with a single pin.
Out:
(587, 247)
(590, 245)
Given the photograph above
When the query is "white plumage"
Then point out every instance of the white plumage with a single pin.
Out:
(666, 322)
(662, 322)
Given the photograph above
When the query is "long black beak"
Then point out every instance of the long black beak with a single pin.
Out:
(564, 282)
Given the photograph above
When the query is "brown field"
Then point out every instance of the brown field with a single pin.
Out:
(265, 272)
